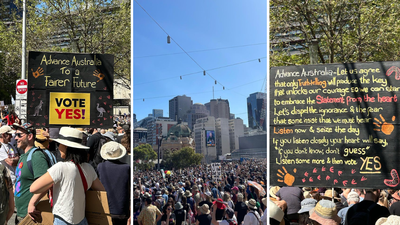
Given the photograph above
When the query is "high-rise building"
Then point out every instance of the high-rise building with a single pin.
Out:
(158, 127)
(203, 125)
(256, 108)
(197, 111)
(236, 130)
(179, 106)
(158, 113)
(222, 136)
(219, 108)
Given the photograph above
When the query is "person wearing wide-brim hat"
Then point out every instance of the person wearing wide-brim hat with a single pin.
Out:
(114, 173)
(204, 218)
(325, 213)
(70, 179)
(252, 217)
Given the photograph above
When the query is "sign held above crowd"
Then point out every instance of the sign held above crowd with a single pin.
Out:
(70, 89)
(335, 125)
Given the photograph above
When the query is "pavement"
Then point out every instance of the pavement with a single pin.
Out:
(12, 220)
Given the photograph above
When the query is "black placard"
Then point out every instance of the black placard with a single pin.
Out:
(335, 125)
(70, 89)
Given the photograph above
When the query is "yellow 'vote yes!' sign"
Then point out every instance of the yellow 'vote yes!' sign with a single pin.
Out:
(69, 108)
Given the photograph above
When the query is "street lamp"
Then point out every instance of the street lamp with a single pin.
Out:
(159, 144)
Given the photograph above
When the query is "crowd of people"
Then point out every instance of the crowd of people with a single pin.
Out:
(63, 163)
(196, 195)
(345, 206)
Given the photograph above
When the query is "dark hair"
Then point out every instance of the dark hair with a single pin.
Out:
(166, 207)
(304, 218)
(148, 200)
(75, 154)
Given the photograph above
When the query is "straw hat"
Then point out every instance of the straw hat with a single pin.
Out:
(307, 194)
(391, 220)
(273, 191)
(307, 189)
(204, 209)
(42, 139)
(70, 137)
(188, 194)
(328, 194)
(112, 150)
(252, 204)
(325, 213)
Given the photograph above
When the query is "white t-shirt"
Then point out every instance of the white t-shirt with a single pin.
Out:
(4, 149)
(251, 219)
(68, 194)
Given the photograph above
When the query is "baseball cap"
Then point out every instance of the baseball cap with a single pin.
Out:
(6, 129)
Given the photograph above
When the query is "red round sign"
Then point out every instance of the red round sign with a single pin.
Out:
(22, 87)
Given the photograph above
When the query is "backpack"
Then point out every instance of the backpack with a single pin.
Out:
(97, 159)
(4, 194)
(231, 222)
(361, 216)
(50, 158)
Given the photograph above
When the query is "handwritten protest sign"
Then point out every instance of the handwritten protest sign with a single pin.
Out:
(335, 125)
(70, 89)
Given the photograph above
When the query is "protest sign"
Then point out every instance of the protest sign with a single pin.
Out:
(70, 89)
(335, 125)
(216, 171)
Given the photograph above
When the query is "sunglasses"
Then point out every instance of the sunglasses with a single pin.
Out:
(19, 135)
(169, 208)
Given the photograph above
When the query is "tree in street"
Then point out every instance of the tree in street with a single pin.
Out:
(182, 158)
(145, 154)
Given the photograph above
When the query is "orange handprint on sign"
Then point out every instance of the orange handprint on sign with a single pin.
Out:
(38, 72)
(98, 74)
(385, 127)
(288, 178)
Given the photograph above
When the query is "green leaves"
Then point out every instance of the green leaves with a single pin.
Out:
(182, 158)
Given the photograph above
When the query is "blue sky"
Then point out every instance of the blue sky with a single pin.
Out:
(210, 31)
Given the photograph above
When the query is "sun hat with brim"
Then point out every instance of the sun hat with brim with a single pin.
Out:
(391, 220)
(70, 137)
(110, 135)
(209, 194)
(42, 139)
(396, 195)
(6, 130)
(307, 194)
(329, 194)
(275, 212)
(112, 150)
(188, 194)
(26, 127)
(220, 204)
(204, 209)
(178, 206)
(273, 191)
(307, 189)
(307, 205)
(325, 213)
(252, 204)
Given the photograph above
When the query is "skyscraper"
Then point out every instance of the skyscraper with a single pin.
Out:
(179, 106)
(197, 111)
(158, 113)
(256, 107)
(219, 108)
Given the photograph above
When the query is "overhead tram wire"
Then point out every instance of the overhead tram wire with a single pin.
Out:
(179, 45)
(204, 92)
(188, 74)
(204, 50)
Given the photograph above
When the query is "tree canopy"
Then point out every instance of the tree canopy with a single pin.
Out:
(182, 158)
(76, 26)
(346, 30)
(145, 153)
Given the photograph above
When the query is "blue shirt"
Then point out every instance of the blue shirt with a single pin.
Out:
(342, 213)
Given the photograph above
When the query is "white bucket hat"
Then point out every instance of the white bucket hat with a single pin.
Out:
(70, 137)
(112, 150)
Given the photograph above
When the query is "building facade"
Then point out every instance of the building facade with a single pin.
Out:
(236, 130)
(197, 111)
(219, 108)
(200, 127)
(179, 106)
(158, 113)
(222, 136)
(256, 110)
